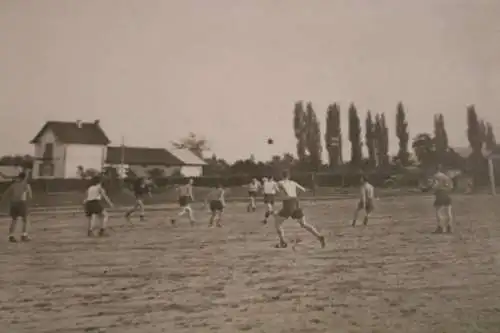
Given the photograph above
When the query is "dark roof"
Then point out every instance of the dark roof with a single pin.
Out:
(70, 132)
(141, 156)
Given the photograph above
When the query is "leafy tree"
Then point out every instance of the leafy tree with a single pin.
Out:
(333, 135)
(23, 161)
(474, 131)
(300, 130)
(313, 138)
(490, 140)
(425, 149)
(370, 140)
(440, 138)
(355, 136)
(156, 173)
(475, 134)
(195, 144)
(216, 166)
(403, 135)
(384, 141)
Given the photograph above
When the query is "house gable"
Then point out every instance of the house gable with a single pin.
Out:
(74, 133)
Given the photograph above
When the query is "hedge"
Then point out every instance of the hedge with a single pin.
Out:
(306, 179)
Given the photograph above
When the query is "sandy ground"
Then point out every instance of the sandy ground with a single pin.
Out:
(392, 276)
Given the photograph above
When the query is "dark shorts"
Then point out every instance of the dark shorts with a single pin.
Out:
(291, 209)
(252, 194)
(216, 206)
(139, 196)
(184, 201)
(93, 207)
(269, 199)
(18, 209)
(442, 199)
(368, 206)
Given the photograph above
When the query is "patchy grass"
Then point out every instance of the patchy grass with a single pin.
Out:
(391, 276)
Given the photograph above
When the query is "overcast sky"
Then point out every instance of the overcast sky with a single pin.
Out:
(231, 70)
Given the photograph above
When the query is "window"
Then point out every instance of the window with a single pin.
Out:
(48, 151)
(46, 169)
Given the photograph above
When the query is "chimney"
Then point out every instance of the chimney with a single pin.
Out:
(79, 123)
(97, 122)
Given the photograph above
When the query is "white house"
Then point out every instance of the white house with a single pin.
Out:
(62, 147)
(142, 160)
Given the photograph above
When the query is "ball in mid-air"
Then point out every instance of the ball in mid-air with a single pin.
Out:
(270, 141)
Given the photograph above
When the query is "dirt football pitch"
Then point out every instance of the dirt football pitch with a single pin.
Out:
(392, 276)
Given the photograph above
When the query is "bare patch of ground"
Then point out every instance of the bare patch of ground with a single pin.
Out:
(392, 276)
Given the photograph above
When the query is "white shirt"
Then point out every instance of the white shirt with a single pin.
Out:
(94, 192)
(270, 187)
(367, 192)
(186, 190)
(442, 182)
(290, 188)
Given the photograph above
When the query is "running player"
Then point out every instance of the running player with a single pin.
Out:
(367, 192)
(291, 209)
(253, 188)
(185, 193)
(442, 186)
(18, 193)
(270, 188)
(217, 203)
(93, 206)
(140, 190)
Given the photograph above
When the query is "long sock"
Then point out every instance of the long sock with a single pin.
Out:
(438, 219)
(91, 223)
(279, 229)
(104, 221)
(12, 227)
(190, 214)
(25, 226)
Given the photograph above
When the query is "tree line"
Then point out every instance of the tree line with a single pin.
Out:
(429, 149)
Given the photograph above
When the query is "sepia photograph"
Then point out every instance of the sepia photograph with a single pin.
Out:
(260, 166)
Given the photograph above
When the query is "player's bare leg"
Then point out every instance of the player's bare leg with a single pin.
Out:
(448, 218)
(12, 230)
(367, 216)
(103, 217)
(269, 212)
(439, 228)
(278, 223)
(186, 210)
(90, 225)
(355, 217)
(139, 206)
(24, 236)
(303, 223)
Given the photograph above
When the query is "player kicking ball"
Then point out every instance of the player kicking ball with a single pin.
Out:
(291, 209)
(367, 195)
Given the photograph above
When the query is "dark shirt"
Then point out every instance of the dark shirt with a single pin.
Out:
(140, 188)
